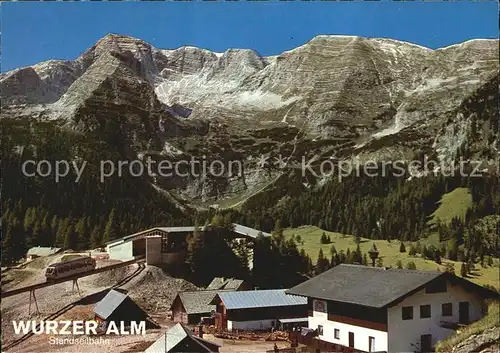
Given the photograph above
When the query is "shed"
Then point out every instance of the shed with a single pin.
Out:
(119, 307)
(256, 309)
(189, 307)
(181, 339)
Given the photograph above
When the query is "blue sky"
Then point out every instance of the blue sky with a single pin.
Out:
(34, 32)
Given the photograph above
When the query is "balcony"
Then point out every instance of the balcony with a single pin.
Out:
(451, 325)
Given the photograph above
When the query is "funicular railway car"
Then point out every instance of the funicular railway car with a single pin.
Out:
(69, 268)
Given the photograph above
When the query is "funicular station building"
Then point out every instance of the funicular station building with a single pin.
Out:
(164, 245)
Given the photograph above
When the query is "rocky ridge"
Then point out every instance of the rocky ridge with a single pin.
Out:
(346, 96)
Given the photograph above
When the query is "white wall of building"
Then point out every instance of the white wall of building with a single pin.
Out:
(250, 325)
(123, 251)
(361, 334)
(404, 333)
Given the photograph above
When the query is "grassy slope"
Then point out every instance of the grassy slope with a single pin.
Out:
(452, 204)
(490, 321)
(389, 252)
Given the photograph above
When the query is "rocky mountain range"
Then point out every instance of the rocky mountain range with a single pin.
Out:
(333, 98)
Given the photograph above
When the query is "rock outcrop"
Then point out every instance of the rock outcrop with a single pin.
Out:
(486, 342)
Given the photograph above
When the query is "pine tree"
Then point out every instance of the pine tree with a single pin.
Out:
(402, 247)
(399, 264)
(463, 270)
(37, 233)
(470, 266)
(322, 263)
(332, 261)
(425, 253)
(449, 267)
(29, 223)
(365, 259)
(412, 251)
(490, 261)
(111, 231)
(82, 233)
(61, 231)
(358, 257)
(333, 250)
(70, 238)
(8, 246)
(277, 228)
(47, 238)
(54, 223)
(96, 237)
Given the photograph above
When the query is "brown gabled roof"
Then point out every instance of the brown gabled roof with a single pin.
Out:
(197, 302)
(372, 286)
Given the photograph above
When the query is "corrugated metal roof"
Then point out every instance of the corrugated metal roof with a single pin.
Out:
(175, 335)
(291, 321)
(178, 229)
(233, 284)
(259, 299)
(43, 251)
(217, 283)
(238, 228)
(364, 285)
(109, 303)
(251, 232)
(225, 283)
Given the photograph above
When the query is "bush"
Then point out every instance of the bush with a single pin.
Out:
(412, 251)
(399, 264)
(325, 239)
(463, 270)
(490, 287)
(449, 267)
(402, 247)
(411, 266)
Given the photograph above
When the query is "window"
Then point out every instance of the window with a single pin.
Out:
(351, 339)
(320, 330)
(407, 312)
(447, 309)
(371, 344)
(336, 333)
(425, 311)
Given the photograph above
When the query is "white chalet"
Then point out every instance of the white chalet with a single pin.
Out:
(353, 308)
